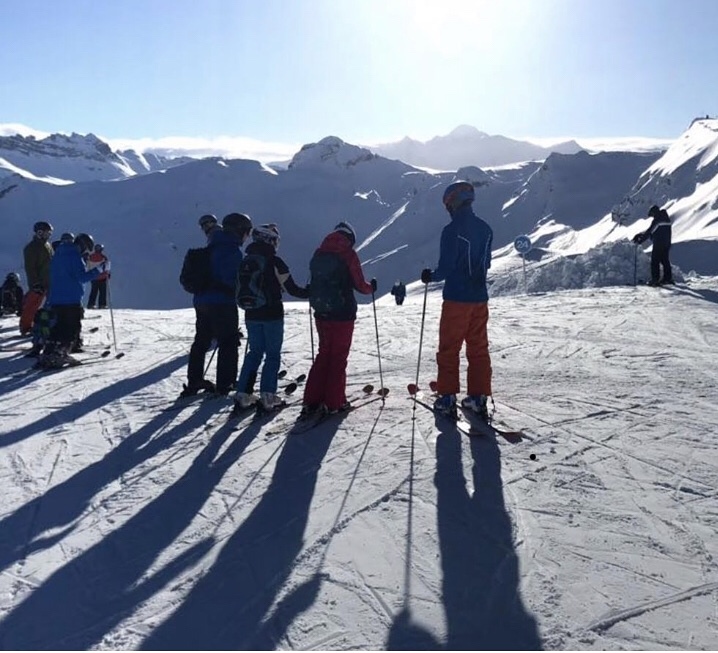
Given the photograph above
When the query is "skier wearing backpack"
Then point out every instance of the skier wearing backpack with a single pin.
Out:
(262, 277)
(216, 309)
(465, 257)
(335, 274)
(11, 295)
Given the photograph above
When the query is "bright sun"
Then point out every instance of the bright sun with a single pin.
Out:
(450, 27)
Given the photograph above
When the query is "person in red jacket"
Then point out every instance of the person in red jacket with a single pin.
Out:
(335, 274)
(99, 285)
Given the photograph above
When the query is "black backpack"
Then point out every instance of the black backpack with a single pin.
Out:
(251, 282)
(329, 279)
(196, 275)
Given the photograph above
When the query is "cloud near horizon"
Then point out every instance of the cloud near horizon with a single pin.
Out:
(240, 147)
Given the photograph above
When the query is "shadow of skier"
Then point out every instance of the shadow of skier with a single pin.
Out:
(480, 586)
(92, 593)
(226, 608)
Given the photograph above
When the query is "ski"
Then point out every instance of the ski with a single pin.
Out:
(308, 423)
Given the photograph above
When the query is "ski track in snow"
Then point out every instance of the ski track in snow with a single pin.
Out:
(126, 526)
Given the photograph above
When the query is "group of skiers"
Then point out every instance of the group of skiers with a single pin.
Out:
(256, 280)
(51, 311)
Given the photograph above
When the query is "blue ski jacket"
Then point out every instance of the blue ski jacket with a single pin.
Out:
(465, 257)
(67, 276)
(225, 258)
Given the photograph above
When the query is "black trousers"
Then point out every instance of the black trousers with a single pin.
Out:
(659, 257)
(68, 322)
(218, 322)
(98, 287)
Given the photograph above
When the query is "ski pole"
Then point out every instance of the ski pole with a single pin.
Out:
(382, 391)
(635, 257)
(311, 333)
(214, 351)
(421, 336)
(112, 321)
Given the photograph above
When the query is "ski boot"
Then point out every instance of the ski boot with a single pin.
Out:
(269, 401)
(446, 405)
(193, 389)
(477, 404)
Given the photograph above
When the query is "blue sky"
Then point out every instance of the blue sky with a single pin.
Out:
(367, 71)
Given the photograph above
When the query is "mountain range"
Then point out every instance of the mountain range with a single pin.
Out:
(145, 209)
(467, 146)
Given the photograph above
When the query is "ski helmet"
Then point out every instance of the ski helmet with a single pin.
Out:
(458, 194)
(85, 243)
(237, 222)
(13, 276)
(346, 229)
(99, 247)
(654, 211)
(266, 233)
(67, 237)
(42, 227)
(207, 221)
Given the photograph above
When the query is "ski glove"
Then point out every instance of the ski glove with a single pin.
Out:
(639, 238)
(426, 275)
(373, 285)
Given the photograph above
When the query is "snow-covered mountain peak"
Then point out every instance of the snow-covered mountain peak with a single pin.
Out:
(331, 150)
(466, 131)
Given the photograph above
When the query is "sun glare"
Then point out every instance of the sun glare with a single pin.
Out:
(451, 27)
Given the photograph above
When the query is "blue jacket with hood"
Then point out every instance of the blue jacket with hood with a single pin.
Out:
(465, 257)
(225, 257)
(67, 276)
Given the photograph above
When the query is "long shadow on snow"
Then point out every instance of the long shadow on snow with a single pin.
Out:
(703, 293)
(480, 588)
(226, 609)
(87, 597)
(21, 531)
(92, 402)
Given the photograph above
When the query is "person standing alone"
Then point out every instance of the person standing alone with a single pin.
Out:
(660, 234)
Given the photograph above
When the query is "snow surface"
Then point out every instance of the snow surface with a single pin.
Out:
(124, 526)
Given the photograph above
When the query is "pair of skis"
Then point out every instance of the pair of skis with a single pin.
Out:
(464, 419)
(367, 396)
(289, 389)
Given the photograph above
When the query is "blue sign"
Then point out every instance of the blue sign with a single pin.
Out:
(522, 244)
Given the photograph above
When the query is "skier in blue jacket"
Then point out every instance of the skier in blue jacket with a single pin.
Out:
(464, 260)
(216, 310)
(68, 274)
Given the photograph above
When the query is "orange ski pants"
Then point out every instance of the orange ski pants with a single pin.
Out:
(463, 322)
(31, 305)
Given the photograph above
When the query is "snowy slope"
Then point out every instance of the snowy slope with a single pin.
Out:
(126, 527)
